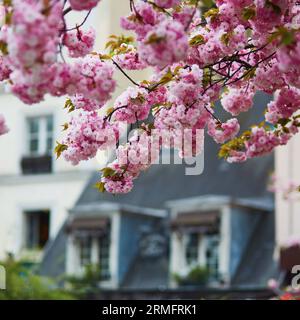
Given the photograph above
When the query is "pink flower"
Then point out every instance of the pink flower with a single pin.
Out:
(83, 4)
(167, 3)
(130, 61)
(236, 156)
(80, 102)
(4, 69)
(261, 142)
(223, 132)
(79, 43)
(236, 101)
(286, 102)
(87, 134)
(166, 44)
(132, 105)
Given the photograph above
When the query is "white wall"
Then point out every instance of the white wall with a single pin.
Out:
(287, 160)
(59, 190)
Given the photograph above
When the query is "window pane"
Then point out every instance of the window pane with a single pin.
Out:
(104, 246)
(34, 145)
(85, 251)
(37, 229)
(49, 123)
(192, 248)
(49, 145)
(33, 125)
(212, 256)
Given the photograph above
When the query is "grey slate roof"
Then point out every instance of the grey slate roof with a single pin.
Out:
(53, 263)
(257, 265)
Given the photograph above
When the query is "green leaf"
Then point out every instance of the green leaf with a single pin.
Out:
(249, 74)
(225, 38)
(248, 13)
(197, 40)
(100, 186)
(65, 126)
(59, 149)
(167, 77)
(69, 105)
(212, 13)
(3, 48)
(107, 172)
(154, 38)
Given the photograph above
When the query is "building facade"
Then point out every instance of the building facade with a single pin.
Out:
(36, 190)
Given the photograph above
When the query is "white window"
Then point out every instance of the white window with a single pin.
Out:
(40, 135)
(104, 256)
(87, 247)
(203, 250)
(192, 248)
(85, 251)
(212, 255)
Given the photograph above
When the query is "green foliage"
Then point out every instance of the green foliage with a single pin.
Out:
(87, 283)
(22, 284)
(197, 276)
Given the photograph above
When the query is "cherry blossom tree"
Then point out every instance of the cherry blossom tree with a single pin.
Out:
(199, 52)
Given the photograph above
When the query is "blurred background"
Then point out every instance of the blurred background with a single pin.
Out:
(221, 234)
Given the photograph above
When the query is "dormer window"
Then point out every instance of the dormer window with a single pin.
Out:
(197, 236)
(91, 244)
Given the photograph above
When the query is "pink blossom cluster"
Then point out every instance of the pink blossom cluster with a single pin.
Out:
(236, 156)
(4, 69)
(142, 20)
(268, 77)
(261, 142)
(132, 105)
(217, 44)
(236, 101)
(80, 102)
(187, 86)
(289, 56)
(83, 4)
(227, 53)
(3, 127)
(79, 43)
(87, 133)
(166, 44)
(223, 132)
(132, 158)
(130, 60)
(285, 104)
(33, 36)
(167, 3)
(88, 76)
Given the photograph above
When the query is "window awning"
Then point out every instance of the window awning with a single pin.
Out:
(88, 225)
(198, 221)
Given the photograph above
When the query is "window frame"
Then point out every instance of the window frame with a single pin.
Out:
(28, 218)
(42, 135)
